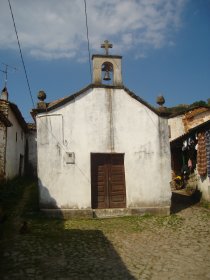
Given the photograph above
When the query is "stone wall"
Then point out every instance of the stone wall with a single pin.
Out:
(3, 136)
(4, 107)
(2, 149)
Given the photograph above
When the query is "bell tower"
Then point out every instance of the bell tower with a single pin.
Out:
(107, 68)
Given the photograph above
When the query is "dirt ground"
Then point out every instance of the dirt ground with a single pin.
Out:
(145, 247)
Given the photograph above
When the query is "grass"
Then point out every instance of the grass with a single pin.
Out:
(16, 198)
(205, 204)
(10, 193)
(19, 201)
(77, 243)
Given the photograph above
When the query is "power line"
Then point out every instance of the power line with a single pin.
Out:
(61, 145)
(88, 39)
(21, 55)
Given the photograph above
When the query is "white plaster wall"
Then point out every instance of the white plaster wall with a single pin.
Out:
(32, 150)
(176, 127)
(14, 148)
(204, 186)
(143, 137)
(103, 121)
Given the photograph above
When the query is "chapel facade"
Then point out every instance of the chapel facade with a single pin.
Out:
(103, 150)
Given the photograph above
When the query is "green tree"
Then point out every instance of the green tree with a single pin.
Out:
(199, 103)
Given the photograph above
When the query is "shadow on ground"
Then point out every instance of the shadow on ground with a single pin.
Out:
(69, 254)
(84, 254)
(54, 249)
(180, 201)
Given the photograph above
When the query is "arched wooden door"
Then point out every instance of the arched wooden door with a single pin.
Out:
(108, 181)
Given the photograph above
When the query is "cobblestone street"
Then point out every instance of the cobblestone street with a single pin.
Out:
(175, 247)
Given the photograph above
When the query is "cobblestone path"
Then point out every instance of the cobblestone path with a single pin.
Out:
(175, 247)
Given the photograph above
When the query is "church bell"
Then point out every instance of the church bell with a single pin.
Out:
(107, 76)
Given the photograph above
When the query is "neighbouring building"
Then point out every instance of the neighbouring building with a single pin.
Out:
(4, 124)
(102, 150)
(13, 139)
(181, 123)
(190, 154)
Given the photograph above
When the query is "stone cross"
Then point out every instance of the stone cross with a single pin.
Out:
(106, 46)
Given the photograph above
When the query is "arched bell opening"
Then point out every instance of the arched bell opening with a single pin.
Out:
(107, 73)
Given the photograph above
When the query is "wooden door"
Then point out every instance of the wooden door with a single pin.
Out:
(108, 181)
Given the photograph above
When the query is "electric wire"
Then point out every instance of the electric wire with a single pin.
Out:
(88, 41)
(59, 142)
(21, 55)
(29, 88)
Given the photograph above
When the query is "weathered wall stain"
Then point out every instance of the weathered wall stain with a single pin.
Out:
(104, 121)
(145, 151)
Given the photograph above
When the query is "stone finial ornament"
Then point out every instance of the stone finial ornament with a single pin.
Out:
(41, 95)
(160, 100)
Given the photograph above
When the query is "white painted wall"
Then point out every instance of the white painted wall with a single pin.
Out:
(176, 127)
(204, 186)
(14, 148)
(102, 121)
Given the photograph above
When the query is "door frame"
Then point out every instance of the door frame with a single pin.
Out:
(107, 190)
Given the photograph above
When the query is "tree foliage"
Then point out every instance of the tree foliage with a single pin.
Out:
(199, 103)
(181, 108)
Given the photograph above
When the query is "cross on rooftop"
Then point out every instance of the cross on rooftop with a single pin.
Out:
(106, 46)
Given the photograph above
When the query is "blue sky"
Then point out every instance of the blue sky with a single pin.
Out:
(165, 46)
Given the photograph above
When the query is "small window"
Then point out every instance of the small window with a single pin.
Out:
(21, 134)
